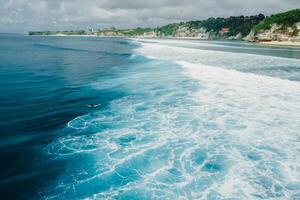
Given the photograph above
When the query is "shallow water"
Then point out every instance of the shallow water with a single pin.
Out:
(176, 121)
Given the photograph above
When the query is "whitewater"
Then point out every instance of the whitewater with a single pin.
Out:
(196, 124)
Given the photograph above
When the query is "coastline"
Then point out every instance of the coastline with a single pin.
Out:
(271, 43)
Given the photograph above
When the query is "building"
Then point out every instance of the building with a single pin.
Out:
(224, 31)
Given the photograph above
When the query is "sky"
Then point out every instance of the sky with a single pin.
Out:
(25, 15)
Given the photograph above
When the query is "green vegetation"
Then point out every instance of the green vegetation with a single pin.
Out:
(134, 32)
(168, 30)
(79, 32)
(287, 19)
(236, 25)
(295, 30)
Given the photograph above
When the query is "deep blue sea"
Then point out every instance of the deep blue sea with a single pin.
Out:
(177, 120)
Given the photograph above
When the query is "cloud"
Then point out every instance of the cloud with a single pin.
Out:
(24, 15)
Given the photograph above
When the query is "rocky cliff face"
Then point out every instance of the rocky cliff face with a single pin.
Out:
(203, 34)
(250, 37)
(275, 33)
(237, 37)
(192, 33)
(150, 34)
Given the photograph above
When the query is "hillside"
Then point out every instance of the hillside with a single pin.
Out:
(212, 28)
(282, 26)
(286, 19)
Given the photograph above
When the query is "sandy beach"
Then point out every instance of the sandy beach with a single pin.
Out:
(284, 43)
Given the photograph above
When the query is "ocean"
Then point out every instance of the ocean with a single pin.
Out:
(177, 119)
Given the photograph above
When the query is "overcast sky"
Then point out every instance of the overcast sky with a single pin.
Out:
(24, 15)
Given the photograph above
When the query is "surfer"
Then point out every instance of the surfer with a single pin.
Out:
(93, 105)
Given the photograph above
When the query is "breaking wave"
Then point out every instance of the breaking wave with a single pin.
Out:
(202, 129)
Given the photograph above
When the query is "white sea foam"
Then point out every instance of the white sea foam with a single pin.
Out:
(189, 130)
(259, 113)
(286, 68)
(224, 45)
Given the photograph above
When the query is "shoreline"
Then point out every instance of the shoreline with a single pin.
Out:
(270, 43)
(281, 43)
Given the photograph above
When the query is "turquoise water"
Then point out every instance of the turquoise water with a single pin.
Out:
(177, 121)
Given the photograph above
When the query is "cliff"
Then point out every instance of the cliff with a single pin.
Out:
(280, 27)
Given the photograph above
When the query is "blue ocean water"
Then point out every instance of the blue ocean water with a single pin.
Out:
(185, 120)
